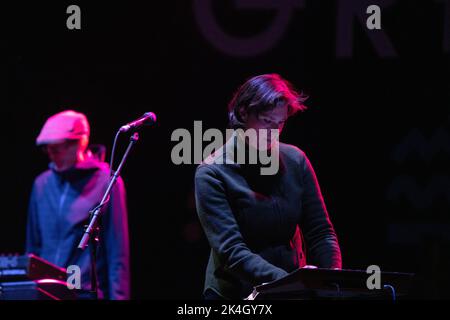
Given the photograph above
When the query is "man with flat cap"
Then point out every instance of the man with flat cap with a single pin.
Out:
(60, 202)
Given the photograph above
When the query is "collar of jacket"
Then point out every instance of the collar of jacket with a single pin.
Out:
(79, 169)
(227, 155)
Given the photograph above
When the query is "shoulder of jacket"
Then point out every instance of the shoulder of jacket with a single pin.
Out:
(205, 168)
(292, 152)
(43, 177)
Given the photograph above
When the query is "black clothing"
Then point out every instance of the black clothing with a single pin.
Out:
(255, 223)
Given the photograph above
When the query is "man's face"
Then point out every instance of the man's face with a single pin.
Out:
(63, 154)
(266, 121)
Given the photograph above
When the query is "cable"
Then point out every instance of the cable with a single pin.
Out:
(111, 161)
(111, 171)
(338, 290)
(387, 286)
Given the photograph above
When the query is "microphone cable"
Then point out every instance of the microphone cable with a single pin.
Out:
(113, 150)
(392, 289)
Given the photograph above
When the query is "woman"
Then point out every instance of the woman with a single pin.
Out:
(256, 223)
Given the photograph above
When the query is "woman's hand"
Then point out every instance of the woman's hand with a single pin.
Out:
(309, 266)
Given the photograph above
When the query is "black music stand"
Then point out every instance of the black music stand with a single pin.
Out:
(332, 284)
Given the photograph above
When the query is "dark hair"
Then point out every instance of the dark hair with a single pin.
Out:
(262, 93)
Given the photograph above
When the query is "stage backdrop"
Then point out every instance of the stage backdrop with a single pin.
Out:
(376, 131)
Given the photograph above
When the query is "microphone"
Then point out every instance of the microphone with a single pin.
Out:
(147, 119)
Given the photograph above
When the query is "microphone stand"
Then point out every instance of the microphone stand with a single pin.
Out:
(91, 233)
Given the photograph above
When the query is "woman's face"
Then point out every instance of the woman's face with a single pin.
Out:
(266, 121)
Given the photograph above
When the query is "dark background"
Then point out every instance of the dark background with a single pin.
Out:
(377, 128)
